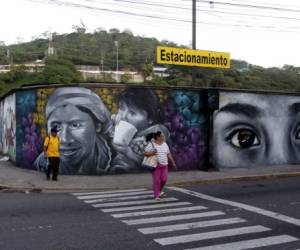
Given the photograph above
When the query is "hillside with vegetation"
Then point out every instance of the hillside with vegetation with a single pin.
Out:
(135, 53)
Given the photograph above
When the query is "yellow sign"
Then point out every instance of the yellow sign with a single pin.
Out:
(189, 57)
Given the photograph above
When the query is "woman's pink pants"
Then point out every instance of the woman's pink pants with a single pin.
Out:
(159, 177)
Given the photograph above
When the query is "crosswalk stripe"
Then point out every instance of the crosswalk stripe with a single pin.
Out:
(186, 226)
(111, 192)
(253, 209)
(120, 198)
(160, 211)
(132, 208)
(210, 235)
(172, 218)
(248, 244)
(85, 197)
(116, 204)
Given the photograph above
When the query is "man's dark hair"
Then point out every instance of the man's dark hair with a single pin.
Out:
(54, 129)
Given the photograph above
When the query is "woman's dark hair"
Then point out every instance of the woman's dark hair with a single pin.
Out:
(144, 99)
(157, 134)
(149, 137)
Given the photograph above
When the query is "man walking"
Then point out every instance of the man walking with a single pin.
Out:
(51, 150)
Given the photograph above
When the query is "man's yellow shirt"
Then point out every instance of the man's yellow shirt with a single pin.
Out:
(52, 143)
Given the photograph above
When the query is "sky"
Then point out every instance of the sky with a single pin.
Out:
(264, 33)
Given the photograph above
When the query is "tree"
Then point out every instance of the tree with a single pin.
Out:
(81, 29)
(147, 70)
(58, 70)
(114, 31)
(126, 77)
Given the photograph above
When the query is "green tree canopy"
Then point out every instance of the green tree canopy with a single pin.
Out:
(58, 70)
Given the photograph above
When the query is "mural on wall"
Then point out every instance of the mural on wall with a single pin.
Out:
(8, 129)
(30, 122)
(2, 127)
(102, 130)
(84, 128)
(256, 129)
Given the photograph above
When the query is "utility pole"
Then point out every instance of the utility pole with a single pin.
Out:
(194, 25)
(9, 56)
(101, 62)
(50, 46)
(194, 36)
(117, 46)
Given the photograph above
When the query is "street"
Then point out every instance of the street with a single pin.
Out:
(255, 214)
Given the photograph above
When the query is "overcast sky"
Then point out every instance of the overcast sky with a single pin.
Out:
(265, 33)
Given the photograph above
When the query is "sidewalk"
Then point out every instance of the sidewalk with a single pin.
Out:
(17, 179)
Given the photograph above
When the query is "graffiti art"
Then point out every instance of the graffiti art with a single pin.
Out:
(103, 130)
(256, 129)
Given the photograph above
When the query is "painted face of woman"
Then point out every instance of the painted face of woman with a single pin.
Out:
(76, 130)
(256, 129)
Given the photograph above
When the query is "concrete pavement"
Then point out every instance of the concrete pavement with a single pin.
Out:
(17, 179)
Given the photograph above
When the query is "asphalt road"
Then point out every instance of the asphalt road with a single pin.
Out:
(262, 213)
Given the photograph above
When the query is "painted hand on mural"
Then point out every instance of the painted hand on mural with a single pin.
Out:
(256, 129)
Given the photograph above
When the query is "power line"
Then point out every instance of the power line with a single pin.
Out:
(266, 3)
(71, 4)
(264, 7)
(91, 8)
(147, 3)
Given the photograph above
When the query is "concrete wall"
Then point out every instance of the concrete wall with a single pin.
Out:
(102, 129)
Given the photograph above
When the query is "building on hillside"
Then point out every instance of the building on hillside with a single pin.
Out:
(160, 71)
(90, 72)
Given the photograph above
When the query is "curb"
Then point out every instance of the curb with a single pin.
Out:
(222, 180)
(225, 180)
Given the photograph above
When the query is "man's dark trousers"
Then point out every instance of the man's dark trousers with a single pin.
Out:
(53, 166)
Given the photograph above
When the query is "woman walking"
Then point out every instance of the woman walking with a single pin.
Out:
(159, 148)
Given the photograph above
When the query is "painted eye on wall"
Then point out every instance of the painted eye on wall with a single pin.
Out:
(244, 138)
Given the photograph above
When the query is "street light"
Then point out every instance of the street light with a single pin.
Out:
(101, 62)
(117, 46)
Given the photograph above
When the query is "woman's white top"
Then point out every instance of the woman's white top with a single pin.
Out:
(161, 152)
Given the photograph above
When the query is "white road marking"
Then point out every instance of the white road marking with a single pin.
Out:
(132, 208)
(248, 244)
(257, 210)
(172, 218)
(126, 203)
(31, 228)
(295, 203)
(111, 192)
(85, 197)
(120, 198)
(187, 226)
(160, 211)
(210, 235)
